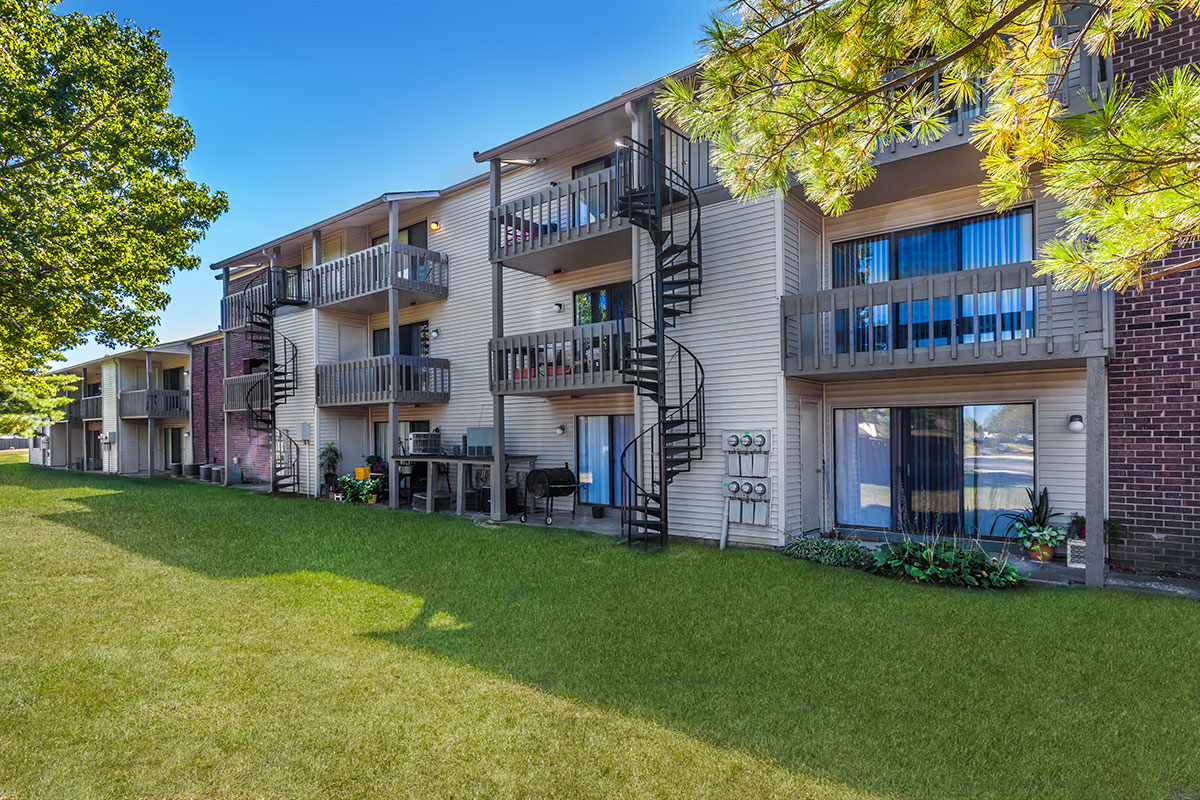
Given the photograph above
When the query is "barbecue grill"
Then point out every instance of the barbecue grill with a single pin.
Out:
(547, 484)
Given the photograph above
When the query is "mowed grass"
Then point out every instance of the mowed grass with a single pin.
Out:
(165, 639)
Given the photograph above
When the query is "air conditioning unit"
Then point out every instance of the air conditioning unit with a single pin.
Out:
(424, 444)
(479, 442)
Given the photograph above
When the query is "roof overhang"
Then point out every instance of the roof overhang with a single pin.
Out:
(607, 118)
(366, 213)
(179, 347)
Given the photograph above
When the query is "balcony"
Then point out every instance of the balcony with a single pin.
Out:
(570, 226)
(384, 379)
(245, 391)
(274, 287)
(154, 404)
(1088, 77)
(91, 408)
(357, 282)
(583, 359)
(883, 329)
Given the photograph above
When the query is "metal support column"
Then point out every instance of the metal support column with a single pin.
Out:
(228, 476)
(393, 349)
(499, 467)
(1095, 471)
(149, 416)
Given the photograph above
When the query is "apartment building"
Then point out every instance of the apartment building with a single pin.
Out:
(129, 415)
(706, 368)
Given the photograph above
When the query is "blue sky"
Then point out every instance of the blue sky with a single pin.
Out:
(303, 108)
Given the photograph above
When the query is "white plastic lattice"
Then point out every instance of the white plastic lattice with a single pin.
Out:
(1077, 553)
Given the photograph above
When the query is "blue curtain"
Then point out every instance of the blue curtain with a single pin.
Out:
(601, 439)
(996, 240)
(595, 473)
(861, 261)
(927, 251)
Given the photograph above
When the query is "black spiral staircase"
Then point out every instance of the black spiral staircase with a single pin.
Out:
(655, 194)
(276, 355)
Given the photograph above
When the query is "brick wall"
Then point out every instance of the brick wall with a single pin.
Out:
(208, 422)
(208, 443)
(1154, 377)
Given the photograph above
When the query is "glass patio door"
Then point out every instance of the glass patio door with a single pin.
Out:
(929, 466)
(600, 440)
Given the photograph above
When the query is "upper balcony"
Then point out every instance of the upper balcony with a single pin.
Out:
(384, 379)
(1088, 77)
(154, 404)
(941, 324)
(569, 226)
(358, 282)
(272, 286)
(584, 359)
(91, 408)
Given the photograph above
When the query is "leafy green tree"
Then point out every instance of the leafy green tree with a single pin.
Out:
(96, 209)
(803, 90)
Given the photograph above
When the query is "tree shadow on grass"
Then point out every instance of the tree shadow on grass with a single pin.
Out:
(902, 690)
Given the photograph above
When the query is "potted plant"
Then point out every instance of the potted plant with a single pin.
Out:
(329, 459)
(1040, 541)
(370, 488)
(1034, 527)
(376, 464)
(1077, 526)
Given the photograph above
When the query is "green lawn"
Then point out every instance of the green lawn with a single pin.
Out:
(164, 639)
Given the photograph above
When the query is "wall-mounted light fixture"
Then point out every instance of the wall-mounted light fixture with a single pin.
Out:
(558, 307)
(561, 430)
(187, 434)
(435, 226)
(433, 334)
(1075, 423)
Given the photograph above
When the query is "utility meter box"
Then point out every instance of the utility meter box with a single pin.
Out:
(747, 481)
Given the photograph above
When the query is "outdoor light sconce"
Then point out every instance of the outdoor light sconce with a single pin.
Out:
(558, 307)
(433, 334)
(561, 430)
(435, 226)
(1075, 423)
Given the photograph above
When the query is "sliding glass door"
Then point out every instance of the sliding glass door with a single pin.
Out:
(928, 469)
(599, 442)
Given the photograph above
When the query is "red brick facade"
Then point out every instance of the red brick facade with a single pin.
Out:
(208, 414)
(1154, 378)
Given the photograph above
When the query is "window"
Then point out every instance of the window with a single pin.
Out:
(989, 240)
(588, 167)
(603, 303)
(592, 204)
(93, 390)
(416, 235)
(172, 378)
(947, 468)
(414, 340)
(379, 436)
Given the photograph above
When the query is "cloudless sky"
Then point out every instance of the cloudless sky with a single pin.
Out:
(303, 108)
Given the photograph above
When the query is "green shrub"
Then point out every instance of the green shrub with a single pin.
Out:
(833, 552)
(944, 562)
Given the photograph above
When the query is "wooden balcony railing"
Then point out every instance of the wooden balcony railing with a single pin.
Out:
(947, 321)
(1088, 77)
(416, 270)
(564, 361)
(384, 379)
(91, 408)
(154, 403)
(580, 209)
(234, 306)
(281, 286)
(242, 390)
